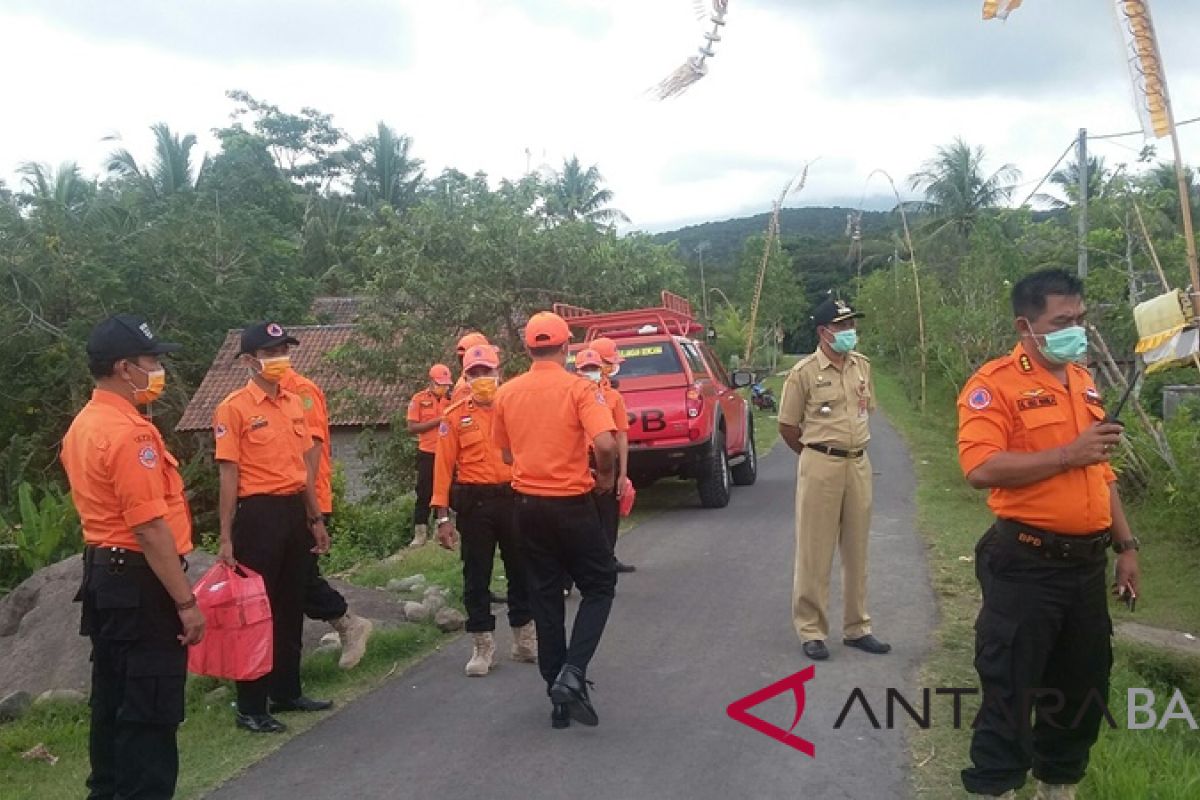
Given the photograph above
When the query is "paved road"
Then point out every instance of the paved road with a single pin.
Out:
(705, 621)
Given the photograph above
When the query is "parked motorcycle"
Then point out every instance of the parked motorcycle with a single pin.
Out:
(762, 397)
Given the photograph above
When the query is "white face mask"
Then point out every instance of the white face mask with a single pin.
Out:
(592, 375)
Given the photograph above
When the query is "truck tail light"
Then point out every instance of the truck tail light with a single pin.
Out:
(695, 403)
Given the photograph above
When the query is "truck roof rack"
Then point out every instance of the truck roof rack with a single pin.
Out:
(674, 317)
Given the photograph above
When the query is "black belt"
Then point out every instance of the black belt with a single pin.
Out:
(835, 451)
(117, 558)
(486, 489)
(1055, 545)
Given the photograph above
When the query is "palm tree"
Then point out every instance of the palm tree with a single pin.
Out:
(386, 171)
(1067, 180)
(576, 194)
(170, 173)
(66, 189)
(956, 191)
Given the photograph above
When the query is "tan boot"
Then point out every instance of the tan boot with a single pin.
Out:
(1055, 791)
(483, 656)
(420, 536)
(524, 646)
(354, 632)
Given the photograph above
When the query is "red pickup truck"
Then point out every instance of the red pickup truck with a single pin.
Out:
(686, 417)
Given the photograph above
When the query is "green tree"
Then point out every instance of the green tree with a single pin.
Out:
(171, 171)
(386, 171)
(575, 193)
(957, 190)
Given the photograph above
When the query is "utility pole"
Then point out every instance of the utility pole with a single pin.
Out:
(700, 248)
(1082, 160)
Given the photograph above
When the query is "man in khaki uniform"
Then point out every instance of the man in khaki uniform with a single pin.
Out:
(824, 416)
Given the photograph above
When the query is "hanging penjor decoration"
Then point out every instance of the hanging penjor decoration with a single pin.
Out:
(696, 67)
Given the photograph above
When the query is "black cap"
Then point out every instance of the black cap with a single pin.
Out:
(125, 336)
(264, 335)
(832, 310)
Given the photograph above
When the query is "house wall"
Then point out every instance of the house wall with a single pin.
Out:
(348, 453)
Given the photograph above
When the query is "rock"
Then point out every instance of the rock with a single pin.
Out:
(449, 619)
(14, 706)
(331, 639)
(40, 645)
(435, 589)
(409, 584)
(218, 696)
(60, 696)
(434, 602)
(416, 612)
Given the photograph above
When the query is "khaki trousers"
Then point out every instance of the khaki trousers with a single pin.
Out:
(833, 512)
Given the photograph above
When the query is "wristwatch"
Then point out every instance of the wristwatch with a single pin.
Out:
(186, 604)
(1132, 543)
(314, 520)
(442, 520)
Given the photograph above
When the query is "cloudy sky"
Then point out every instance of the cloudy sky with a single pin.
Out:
(852, 85)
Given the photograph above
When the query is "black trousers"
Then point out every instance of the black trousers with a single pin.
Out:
(609, 508)
(322, 601)
(485, 521)
(424, 487)
(561, 537)
(138, 675)
(1042, 645)
(271, 537)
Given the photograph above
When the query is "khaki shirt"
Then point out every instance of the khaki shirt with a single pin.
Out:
(830, 406)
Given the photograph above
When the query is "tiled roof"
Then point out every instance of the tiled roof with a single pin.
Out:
(353, 401)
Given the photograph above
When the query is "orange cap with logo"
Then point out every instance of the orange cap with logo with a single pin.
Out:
(469, 341)
(482, 355)
(607, 349)
(546, 329)
(588, 358)
(440, 374)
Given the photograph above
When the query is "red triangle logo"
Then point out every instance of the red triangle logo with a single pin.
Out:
(739, 710)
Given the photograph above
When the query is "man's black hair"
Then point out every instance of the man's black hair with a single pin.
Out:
(1030, 293)
(102, 368)
(545, 352)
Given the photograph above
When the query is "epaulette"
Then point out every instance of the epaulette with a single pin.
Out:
(997, 364)
(800, 364)
(453, 406)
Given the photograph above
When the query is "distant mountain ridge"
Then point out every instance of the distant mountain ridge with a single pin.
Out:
(726, 237)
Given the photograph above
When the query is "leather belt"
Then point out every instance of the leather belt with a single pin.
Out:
(835, 451)
(117, 558)
(486, 489)
(1055, 545)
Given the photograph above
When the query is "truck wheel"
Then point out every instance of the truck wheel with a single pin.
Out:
(746, 473)
(715, 481)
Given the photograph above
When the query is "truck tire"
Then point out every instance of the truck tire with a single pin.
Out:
(746, 473)
(715, 481)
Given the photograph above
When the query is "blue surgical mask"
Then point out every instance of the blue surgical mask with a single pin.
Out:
(844, 341)
(1066, 346)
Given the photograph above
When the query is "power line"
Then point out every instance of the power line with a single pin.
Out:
(1049, 172)
(1139, 132)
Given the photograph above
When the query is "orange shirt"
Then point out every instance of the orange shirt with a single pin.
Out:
(316, 414)
(122, 476)
(1012, 404)
(465, 444)
(547, 418)
(266, 437)
(425, 407)
(617, 403)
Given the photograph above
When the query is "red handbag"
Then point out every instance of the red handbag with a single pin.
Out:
(238, 642)
(628, 495)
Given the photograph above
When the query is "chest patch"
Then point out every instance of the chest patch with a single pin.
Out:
(1037, 401)
(466, 421)
(258, 422)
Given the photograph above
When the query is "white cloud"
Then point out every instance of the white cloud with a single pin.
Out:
(478, 82)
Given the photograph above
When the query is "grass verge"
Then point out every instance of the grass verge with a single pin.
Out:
(951, 516)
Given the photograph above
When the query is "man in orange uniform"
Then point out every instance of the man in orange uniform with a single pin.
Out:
(138, 607)
(610, 366)
(467, 456)
(424, 416)
(270, 519)
(1033, 431)
(322, 601)
(461, 389)
(544, 421)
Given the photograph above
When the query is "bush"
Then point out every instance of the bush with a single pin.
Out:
(48, 532)
(368, 530)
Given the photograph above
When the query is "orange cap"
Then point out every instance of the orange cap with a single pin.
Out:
(440, 373)
(481, 355)
(607, 349)
(470, 340)
(545, 329)
(588, 358)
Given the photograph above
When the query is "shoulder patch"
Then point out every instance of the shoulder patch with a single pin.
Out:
(308, 401)
(443, 429)
(979, 398)
(600, 399)
(1092, 397)
(220, 430)
(148, 457)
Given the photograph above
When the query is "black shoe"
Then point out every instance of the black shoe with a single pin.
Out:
(571, 690)
(625, 567)
(300, 704)
(868, 643)
(816, 650)
(260, 723)
(560, 717)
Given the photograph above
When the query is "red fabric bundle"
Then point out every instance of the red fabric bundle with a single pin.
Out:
(238, 643)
